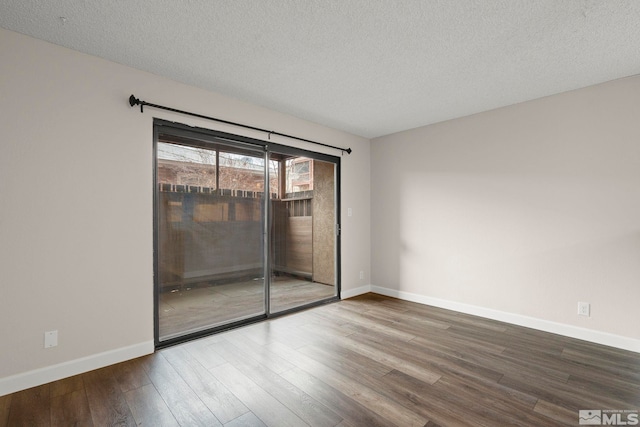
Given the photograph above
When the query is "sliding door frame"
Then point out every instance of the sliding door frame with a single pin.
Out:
(208, 138)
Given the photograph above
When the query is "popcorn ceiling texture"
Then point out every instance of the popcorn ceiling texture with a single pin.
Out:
(369, 67)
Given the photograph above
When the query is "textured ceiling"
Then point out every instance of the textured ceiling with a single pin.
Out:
(369, 67)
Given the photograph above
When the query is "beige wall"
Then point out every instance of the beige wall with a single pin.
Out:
(76, 237)
(524, 210)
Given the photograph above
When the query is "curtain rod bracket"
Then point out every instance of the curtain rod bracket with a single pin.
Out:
(135, 101)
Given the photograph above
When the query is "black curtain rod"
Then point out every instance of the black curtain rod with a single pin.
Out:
(135, 101)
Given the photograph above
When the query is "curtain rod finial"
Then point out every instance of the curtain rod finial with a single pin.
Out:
(133, 100)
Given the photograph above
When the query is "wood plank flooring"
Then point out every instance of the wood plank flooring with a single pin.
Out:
(366, 361)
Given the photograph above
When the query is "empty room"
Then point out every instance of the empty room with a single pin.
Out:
(319, 213)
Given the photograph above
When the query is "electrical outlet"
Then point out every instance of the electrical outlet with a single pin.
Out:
(50, 339)
(584, 309)
(361, 275)
(349, 212)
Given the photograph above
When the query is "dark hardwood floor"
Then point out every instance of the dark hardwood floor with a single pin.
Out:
(366, 361)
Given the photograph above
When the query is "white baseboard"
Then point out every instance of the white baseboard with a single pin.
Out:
(47, 374)
(350, 293)
(590, 335)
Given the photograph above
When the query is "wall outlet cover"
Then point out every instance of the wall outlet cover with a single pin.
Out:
(50, 339)
(584, 309)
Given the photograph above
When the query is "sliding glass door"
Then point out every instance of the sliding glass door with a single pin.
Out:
(230, 212)
(210, 235)
(303, 243)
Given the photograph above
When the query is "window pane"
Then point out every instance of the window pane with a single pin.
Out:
(303, 234)
(210, 237)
